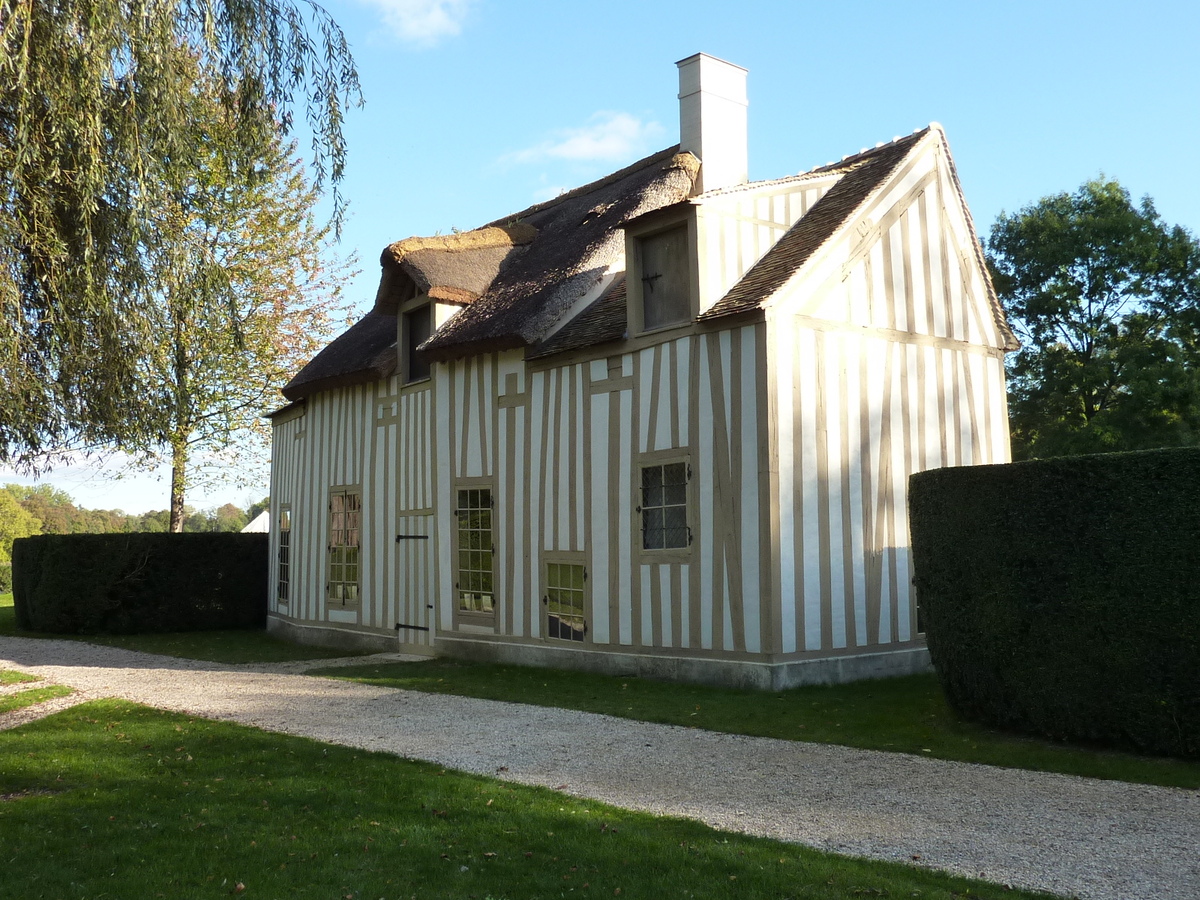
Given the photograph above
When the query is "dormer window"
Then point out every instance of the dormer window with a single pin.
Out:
(666, 298)
(661, 274)
(415, 328)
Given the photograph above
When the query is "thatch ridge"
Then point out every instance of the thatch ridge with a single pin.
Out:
(682, 160)
(486, 238)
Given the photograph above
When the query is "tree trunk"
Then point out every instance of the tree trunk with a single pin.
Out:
(178, 470)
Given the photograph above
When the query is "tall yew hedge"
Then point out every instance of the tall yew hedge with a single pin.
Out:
(139, 583)
(1061, 597)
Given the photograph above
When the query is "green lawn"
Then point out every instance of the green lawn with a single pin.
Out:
(11, 676)
(234, 647)
(32, 697)
(135, 802)
(908, 715)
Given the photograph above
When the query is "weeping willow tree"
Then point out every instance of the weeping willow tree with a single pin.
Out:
(98, 132)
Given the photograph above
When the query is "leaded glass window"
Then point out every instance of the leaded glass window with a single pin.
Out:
(345, 525)
(564, 601)
(475, 589)
(283, 592)
(664, 507)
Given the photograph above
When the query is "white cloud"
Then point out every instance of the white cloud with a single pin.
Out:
(607, 137)
(424, 22)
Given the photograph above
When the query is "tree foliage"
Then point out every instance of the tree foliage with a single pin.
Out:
(97, 128)
(15, 522)
(1105, 298)
(243, 297)
(48, 510)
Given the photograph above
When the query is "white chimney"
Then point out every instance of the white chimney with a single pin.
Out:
(712, 119)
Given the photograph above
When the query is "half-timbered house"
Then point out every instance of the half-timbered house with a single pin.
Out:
(661, 424)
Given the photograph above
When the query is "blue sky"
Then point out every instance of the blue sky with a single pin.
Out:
(478, 108)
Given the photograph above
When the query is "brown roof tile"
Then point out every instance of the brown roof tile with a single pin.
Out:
(602, 322)
(864, 173)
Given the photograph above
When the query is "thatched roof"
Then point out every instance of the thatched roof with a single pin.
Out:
(604, 321)
(514, 278)
(517, 278)
(579, 238)
(366, 352)
(861, 174)
(456, 268)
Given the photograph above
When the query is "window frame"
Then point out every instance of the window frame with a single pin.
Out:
(283, 556)
(636, 232)
(649, 555)
(342, 603)
(404, 353)
(464, 615)
(563, 559)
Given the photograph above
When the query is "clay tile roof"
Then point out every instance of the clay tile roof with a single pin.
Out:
(604, 321)
(864, 173)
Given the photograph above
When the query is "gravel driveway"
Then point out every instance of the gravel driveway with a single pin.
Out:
(1072, 836)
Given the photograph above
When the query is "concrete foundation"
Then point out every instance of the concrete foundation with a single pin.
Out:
(342, 638)
(756, 674)
(751, 674)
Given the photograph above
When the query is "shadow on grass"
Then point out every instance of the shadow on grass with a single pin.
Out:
(142, 803)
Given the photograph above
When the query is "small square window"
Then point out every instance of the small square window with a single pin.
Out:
(664, 507)
(565, 602)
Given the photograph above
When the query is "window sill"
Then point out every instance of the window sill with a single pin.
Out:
(672, 555)
(662, 329)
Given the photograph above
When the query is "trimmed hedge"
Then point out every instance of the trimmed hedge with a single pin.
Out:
(140, 583)
(1061, 597)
